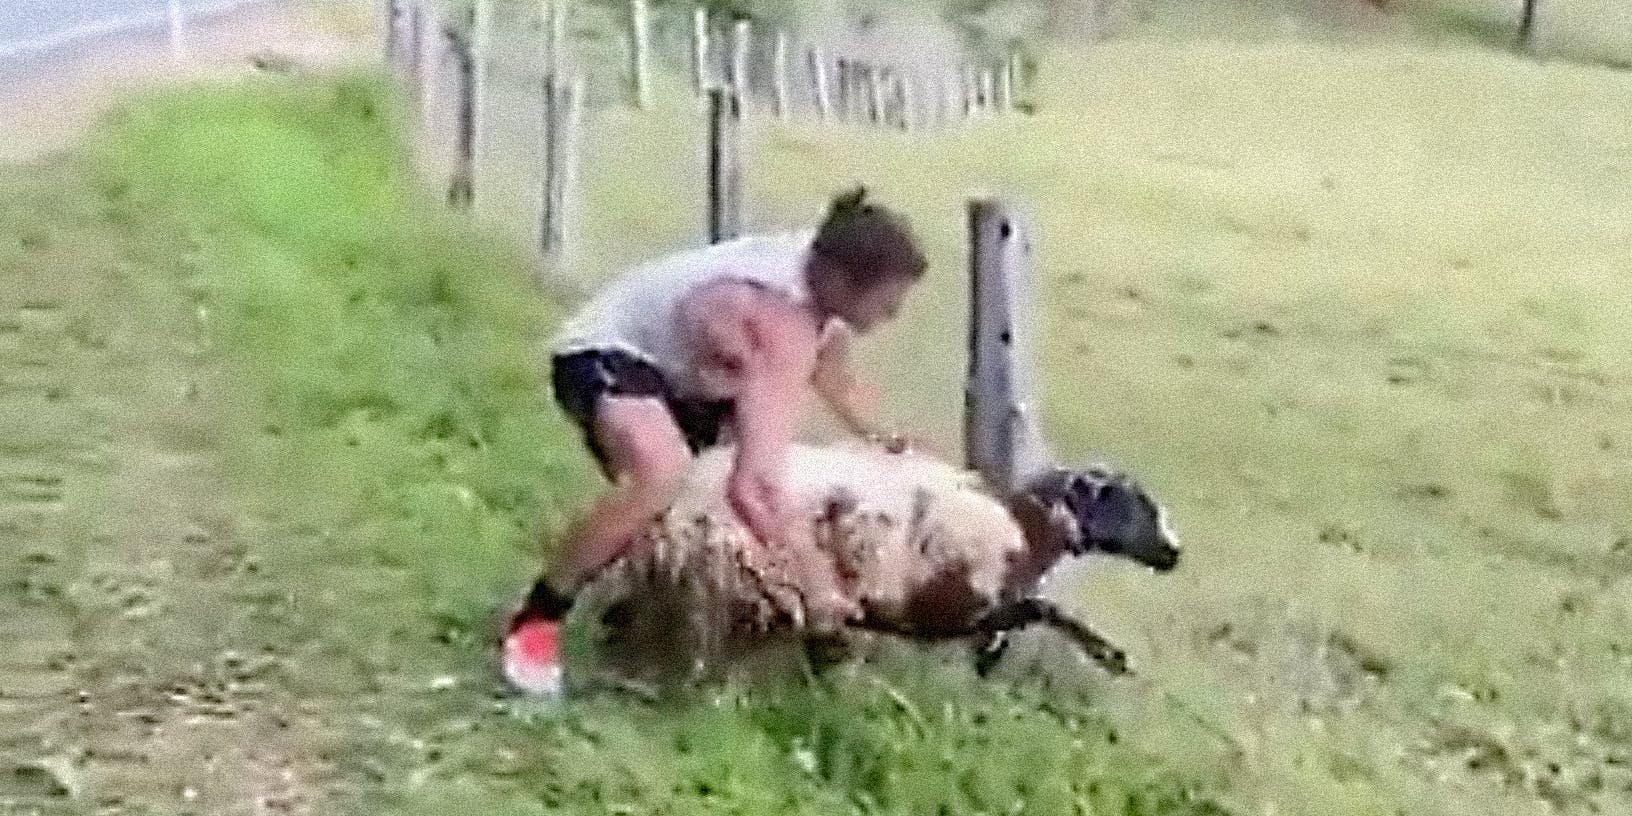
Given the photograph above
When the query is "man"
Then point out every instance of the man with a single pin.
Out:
(727, 340)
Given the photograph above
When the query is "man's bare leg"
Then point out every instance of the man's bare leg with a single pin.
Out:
(647, 458)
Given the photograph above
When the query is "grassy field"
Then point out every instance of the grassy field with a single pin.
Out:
(276, 451)
(1357, 315)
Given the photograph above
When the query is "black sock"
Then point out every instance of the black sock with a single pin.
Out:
(544, 602)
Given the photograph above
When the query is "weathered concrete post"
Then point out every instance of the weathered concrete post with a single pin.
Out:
(639, 53)
(724, 165)
(1001, 437)
(820, 88)
(462, 187)
(563, 105)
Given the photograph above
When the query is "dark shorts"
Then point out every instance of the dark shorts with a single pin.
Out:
(580, 378)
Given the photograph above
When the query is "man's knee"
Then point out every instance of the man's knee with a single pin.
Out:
(646, 447)
(656, 468)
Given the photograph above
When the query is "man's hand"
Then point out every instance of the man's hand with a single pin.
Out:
(901, 442)
(762, 351)
(853, 401)
(756, 497)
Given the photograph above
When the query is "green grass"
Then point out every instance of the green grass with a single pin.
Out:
(393, 465)
(1383, 317)
(378, 363)
(1592, 31)
(1356, 315)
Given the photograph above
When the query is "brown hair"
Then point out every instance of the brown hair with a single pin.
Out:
(869, 242)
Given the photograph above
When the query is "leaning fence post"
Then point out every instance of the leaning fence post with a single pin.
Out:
(461, 190)
(724, 165)
(1001, 437)
(639, 53)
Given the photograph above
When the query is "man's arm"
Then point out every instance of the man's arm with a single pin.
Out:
(853, 401)
(775, 377)
(768, 348)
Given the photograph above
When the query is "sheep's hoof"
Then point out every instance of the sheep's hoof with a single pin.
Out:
(826, 651)
(1114, 661)
(619, 615)
(988, 654)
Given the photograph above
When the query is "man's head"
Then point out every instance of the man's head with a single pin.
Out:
(863, 262)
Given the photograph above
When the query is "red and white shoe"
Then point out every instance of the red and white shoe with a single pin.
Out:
(531, 656)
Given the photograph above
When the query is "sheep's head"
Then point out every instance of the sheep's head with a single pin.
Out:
(1099, 509)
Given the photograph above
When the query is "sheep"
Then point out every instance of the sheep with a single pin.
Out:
(889, 542)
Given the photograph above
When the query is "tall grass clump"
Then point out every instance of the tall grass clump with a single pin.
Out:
(381, 356)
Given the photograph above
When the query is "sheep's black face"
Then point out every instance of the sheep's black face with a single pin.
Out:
(1100, 509)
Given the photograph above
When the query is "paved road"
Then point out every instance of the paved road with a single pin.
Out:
(28, 27)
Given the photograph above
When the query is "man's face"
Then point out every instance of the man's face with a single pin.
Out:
(869, 308)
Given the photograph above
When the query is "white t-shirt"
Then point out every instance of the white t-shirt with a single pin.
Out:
(637, 313)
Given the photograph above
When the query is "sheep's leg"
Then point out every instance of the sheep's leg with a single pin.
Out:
(988, 653)
(824, 651)
(1017, 615)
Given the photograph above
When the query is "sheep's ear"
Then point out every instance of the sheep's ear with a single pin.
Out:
(1164, 526)
(1063, 521)
(1087, 486)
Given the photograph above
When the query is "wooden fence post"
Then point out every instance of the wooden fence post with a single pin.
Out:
(1003, 93)
(481, 51)
(178, 36)
(563, 108)
(741, 32)
(779, 76)
(949, 102)
(699, 50)
(392, 11)
(416, 55)
(1015, 68)
(639, 53)
(1001, 437)
(724, 165)
(462, 188)
(555, 21)
(875, 95)
(842, 95)
(907, 98)
(819, 82)
(1527, 25)
(971, 92)
(431, 45)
